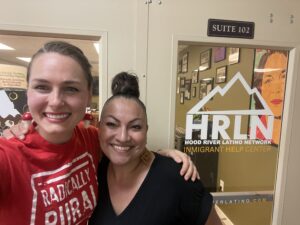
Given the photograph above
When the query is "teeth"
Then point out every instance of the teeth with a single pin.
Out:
(121, 148)
(56, 116)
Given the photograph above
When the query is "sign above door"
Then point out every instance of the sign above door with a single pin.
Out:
(230, 28)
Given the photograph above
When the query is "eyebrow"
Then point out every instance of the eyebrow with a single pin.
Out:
(132, 121)
(270, 75)
(65, 82)
(266, 76)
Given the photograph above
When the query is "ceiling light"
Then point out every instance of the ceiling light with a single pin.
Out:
(96, 45)
(5, 47)
(26, 59)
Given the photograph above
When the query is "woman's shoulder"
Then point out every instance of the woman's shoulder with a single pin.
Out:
(86, 134)
(4, 143)
(167, 166)
(13, 142)
(90, 129)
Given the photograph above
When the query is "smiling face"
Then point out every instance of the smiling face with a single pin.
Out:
(57, 95)
(123, 131)
(273, 82)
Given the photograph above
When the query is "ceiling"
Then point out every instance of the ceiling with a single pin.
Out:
(26, 46)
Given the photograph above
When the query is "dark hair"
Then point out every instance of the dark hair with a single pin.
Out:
(257, 79)
(66, 49)
(126, 85)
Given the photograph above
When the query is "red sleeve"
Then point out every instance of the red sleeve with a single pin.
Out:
(91, 138)
(4, 169)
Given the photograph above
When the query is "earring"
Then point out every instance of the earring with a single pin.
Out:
(87, 119)
(26, 120)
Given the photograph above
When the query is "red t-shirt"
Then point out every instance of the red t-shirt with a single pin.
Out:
(44, 183)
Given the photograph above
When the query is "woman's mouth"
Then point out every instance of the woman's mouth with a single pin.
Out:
(121, 148)
(57, 116)
(276, 101)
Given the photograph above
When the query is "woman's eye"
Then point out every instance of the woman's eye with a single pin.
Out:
(71, 89)
(110, 124)
(137, 127)
(41, 88)
(268, 81)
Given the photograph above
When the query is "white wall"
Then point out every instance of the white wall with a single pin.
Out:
(125, 22)
(290, 210)
(116, 18)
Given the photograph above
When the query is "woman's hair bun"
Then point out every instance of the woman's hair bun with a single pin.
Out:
(125, 84)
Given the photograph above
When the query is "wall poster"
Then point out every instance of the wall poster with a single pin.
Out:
(270, 69)
(12, 95)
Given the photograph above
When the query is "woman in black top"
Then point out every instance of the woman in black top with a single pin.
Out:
(138, 186)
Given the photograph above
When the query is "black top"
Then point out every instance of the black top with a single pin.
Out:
(164, 198)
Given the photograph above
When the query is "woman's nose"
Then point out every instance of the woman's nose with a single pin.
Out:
(123, 134)
(55, 98)
(277, 87)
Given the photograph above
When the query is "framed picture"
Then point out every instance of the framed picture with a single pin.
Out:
(202, 90)
(205, 60)
(95, 86)
(219, 54)
(221, 74)
(209, 85)
(233, 55)
(182, 82)
(185, 59)
(187, 91)
(179, 67)
(195, 76)
(206, 86)
(266, 63)
(182, 97)
(194, 91)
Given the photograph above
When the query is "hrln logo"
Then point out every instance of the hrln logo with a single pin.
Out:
(220, 124)
(221, 120)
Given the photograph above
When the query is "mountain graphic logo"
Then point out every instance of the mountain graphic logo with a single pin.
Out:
(221, 120)
(222, 91)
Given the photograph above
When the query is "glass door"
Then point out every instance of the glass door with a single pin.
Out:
(229, 106)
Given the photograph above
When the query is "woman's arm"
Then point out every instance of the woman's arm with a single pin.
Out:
(4, 171)
(188, 170)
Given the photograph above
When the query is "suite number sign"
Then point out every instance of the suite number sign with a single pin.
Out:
(230, 28)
